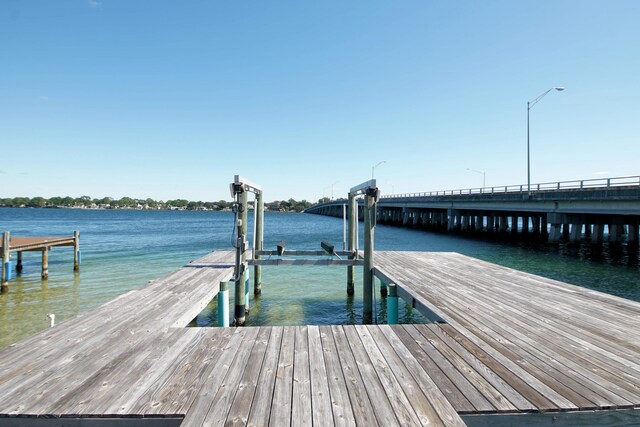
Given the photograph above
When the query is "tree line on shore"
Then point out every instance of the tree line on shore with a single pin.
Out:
(86, 202)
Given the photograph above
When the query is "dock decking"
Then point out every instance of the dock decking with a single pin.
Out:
(513, 343)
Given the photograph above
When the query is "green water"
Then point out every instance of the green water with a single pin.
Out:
(123, 250)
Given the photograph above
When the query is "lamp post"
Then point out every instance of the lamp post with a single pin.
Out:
(373, 168)
(332, 188)
(530, 105)
(484, 176)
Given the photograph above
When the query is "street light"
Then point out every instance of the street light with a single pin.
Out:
(530, 105)
(332, 188)
(373, 168)
(484, 176)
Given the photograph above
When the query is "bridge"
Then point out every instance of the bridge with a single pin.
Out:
(598, 210)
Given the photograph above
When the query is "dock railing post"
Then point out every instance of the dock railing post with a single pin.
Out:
(223, 305)
(76, 250)
(370, 202)
(392, 304)
(351, 240)
(259, 218)
(6, 262)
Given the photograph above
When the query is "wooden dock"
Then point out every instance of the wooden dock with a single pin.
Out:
(25, 244)
(513, 343)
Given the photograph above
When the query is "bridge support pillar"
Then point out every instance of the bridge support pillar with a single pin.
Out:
(615, 232)
(504, 224)
(479, 222)
(465, 222)
(490, 223)
(535, 225)
(554, 234)
(632, 236)
(597, 236)
(576, 233)
(514, 224)
(451, 219)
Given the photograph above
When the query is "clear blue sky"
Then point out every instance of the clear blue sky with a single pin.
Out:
(172, 99)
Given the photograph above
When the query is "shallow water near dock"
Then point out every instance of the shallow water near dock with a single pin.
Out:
(125, 249)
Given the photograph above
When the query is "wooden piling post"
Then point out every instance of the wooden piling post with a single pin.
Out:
(392, 304)
(370, 200)
(19, 263)
(247, 279)
(6, 263)
(223, 305)
(241, 257)
(45, 263)
(352, 224)
(259, 218)
(76, 250)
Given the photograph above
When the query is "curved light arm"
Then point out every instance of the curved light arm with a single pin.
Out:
(530, 104)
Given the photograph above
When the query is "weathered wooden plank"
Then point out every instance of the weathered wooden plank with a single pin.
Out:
(479, 402)
(420, 390)
(283, 388)
(301, 400)
(380, 400)
(320, 395)
(200, 406)
(261, 405)
(357, 388)
(443, 383)
(340, 401)
(239, 413)
(176, 389)
(223, 399)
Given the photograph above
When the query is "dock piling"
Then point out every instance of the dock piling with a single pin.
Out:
(45, 263)
(351, 240)
(392, 304)
(19, 263)
(76, 250)
(370, 199)
(5, 262)
(241, 256)
(223, 305)
(259, 237)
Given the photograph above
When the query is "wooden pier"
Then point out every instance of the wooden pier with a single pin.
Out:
(44, 244)
(513, 345)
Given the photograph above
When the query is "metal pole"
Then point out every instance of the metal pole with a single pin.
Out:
(528, 153)
(259, 219)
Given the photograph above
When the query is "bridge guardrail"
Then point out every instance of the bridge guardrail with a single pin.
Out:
(585, 184)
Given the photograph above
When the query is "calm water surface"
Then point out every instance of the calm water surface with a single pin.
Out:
(123, 250)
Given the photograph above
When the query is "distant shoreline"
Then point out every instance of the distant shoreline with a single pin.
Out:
(108, 203)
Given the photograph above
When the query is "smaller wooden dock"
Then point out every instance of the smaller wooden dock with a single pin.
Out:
(19, 245)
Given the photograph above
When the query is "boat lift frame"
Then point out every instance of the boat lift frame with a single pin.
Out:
(239, 189)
